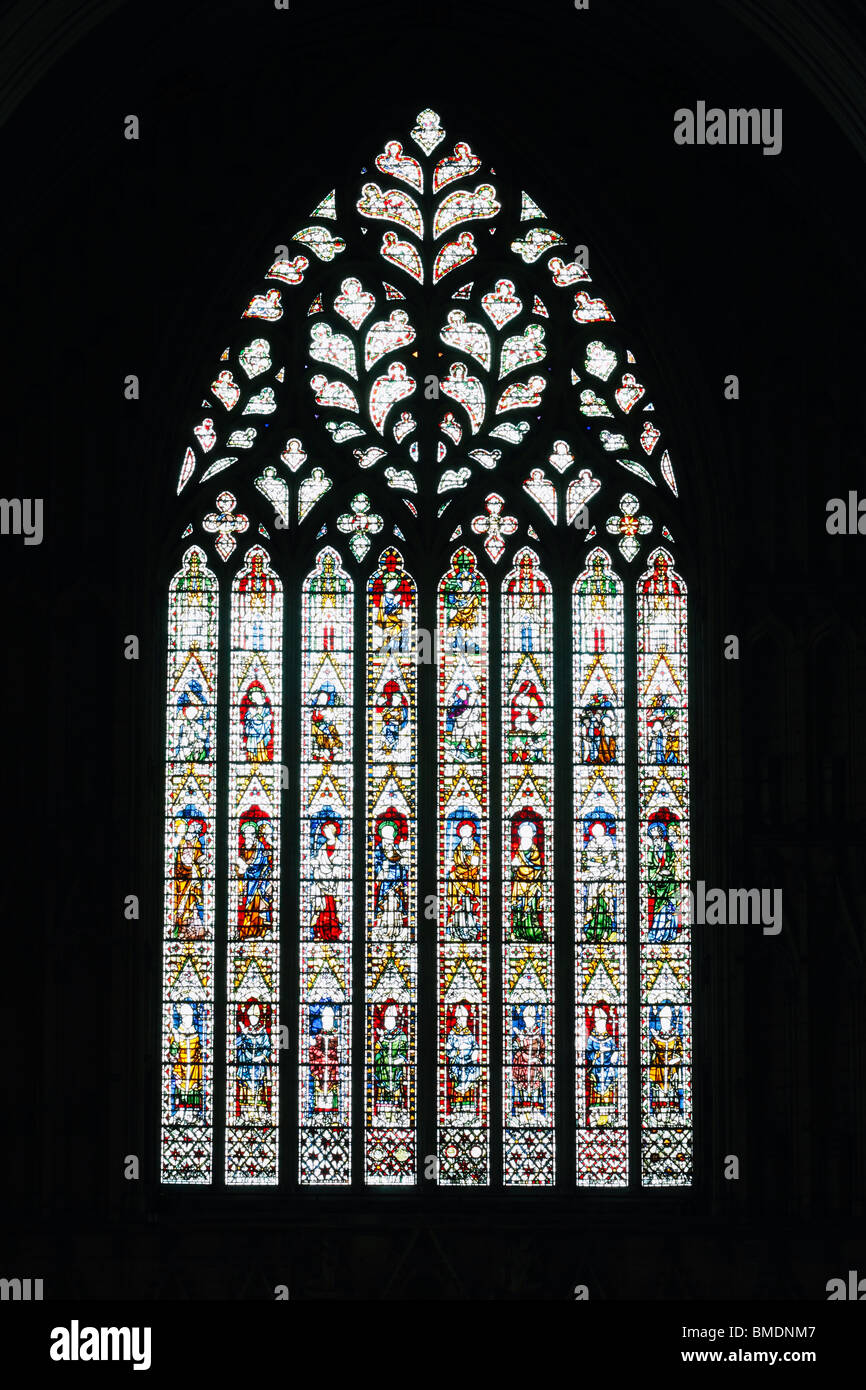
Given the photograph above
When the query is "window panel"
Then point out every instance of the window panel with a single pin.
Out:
(665, 920)
(601, 1033)
(462, 860)
(253, 957)
(188, 934)
(326, 840)
(391, 953)
(528, 1081)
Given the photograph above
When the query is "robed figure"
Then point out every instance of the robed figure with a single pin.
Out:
(326, 872)
(391, 594)
(254, 868)
(253, 1059)
(189, 879)
(325, 1065)
(527, 1064)
(599, 866)
(663, 735)
(527, 735)
(389, 1063)
(257, 723)
(663, 887)
(391, 901)
(185, 1056)
(527, 870)
(463, 898)
(462, 1057)
(666, 1063)
(463, 730)
(598, 721)
(392, 708)
(324, 730)
(462, 601)
(193, 716)
(602, 1060)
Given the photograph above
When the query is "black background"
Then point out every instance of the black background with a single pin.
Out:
(131, 257)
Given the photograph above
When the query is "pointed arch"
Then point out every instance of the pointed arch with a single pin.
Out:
(422, 364)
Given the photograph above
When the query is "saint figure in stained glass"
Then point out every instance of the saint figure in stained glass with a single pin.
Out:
(328, 874)
(602, 1057)
(662, 879)
(254, 869)
(257, 723)
(600, 867)
(665, 1070)
(185, 1054)
(527, 869)
(390, 903)
(463, 1055)
(325, 1061)
(463, 884)
(188, 881)
(528, 1057)
(392, 1049)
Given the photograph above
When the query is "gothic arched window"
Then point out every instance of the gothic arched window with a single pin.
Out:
(426, 741)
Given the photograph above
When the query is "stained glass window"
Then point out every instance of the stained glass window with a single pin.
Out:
(438, 825)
